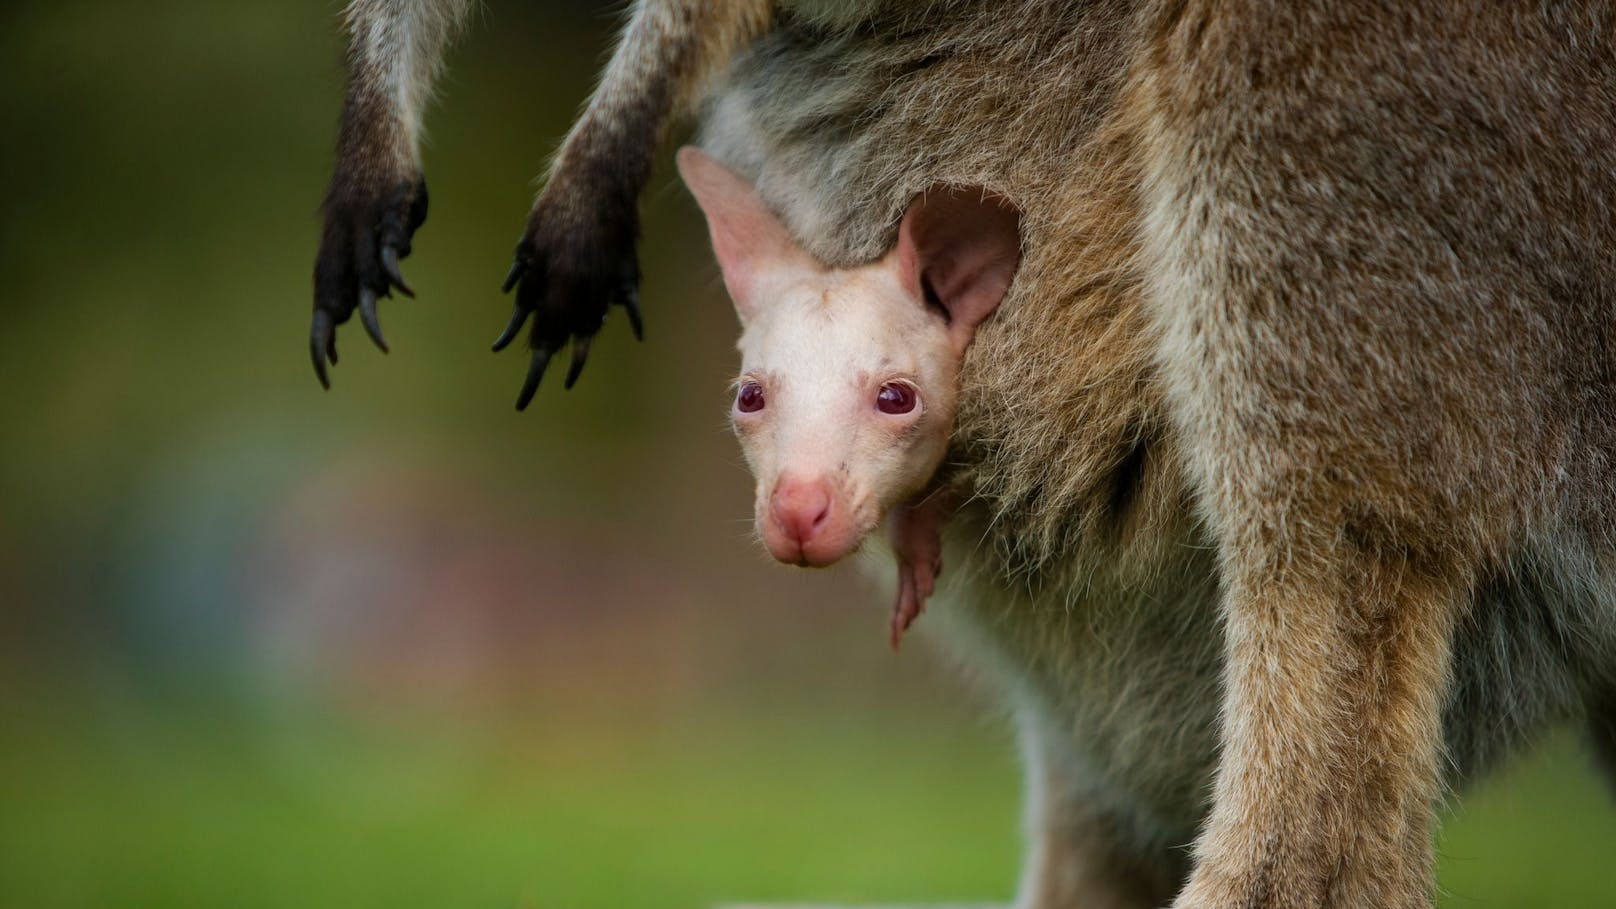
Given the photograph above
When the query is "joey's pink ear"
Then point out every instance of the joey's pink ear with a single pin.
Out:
(748, 239)
(962, 246)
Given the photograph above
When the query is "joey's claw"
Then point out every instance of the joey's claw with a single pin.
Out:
(904, 608)
(367, 316)
(917, 581)
(580, 353)
(926, 580)
(535, 372)
(914, 529)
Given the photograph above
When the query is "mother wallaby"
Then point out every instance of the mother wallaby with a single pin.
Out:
(1290, 450)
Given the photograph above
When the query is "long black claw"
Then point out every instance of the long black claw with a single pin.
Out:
(631, 305)
(513, 276)
(512, 328)
(367, 315)
(535, 372)
(396, 277)
(321, 345)
(580, 353)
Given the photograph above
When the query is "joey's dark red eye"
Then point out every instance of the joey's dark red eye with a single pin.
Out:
(895, 398)
(750, 398)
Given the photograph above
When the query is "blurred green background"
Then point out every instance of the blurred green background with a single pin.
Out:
(397, 645)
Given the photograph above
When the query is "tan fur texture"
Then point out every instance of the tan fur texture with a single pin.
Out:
(1377, 243)
(395, 49)
(1379, 319)
(668, 51)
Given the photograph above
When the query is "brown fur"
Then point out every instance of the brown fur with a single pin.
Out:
(1382, 594)
(1289, 453)
(667, 51)
(377, 196)
(1385, 392)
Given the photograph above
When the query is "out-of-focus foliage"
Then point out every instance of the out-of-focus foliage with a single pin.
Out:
(396, 644)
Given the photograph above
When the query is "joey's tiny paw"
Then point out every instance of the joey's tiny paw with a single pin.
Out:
(917, 581)
(915, 532)
(566, 279)
(365, 236)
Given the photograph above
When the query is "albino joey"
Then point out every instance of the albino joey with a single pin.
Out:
(850, 376)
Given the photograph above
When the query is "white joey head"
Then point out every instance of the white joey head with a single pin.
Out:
(849, 376)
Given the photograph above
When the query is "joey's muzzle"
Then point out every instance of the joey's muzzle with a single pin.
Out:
(807, 522)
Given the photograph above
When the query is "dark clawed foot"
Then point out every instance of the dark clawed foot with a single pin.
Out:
(358, 264)
(565, 281)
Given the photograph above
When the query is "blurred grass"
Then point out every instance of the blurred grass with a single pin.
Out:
(227, 807)
(683, 814)
(1541, 834)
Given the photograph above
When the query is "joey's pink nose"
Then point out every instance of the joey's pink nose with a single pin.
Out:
(801, 510)
(807, 523)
